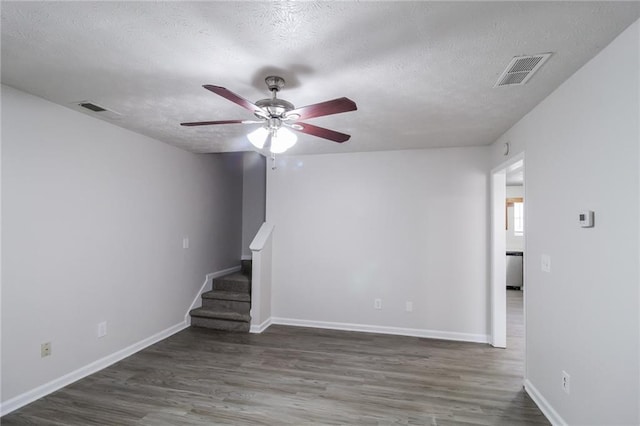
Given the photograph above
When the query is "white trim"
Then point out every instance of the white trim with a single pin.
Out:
(497, 283)
(544, 406)
(261, 237)
(261, 275)
(260, 327)
(43, 390)
(206, 286)
(365, 328)
(246, 257)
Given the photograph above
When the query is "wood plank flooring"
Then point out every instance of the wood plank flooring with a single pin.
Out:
(291, 375)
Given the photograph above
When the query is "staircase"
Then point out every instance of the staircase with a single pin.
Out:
(227, 305)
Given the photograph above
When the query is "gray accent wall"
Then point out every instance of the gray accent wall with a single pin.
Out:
(93, 222)
(253, 197)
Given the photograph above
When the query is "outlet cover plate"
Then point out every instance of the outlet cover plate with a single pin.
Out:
(45, 349)
(102, 329)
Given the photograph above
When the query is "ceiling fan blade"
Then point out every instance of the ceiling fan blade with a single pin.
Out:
(209, 123)
(321, 132)
(237, 99)
(335, 106)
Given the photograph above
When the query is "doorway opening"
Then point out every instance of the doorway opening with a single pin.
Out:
(507, 253)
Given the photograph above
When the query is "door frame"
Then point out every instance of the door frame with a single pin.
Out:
(498, 292)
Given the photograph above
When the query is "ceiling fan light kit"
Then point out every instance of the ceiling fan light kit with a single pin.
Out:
(277, 116)
(258, 137)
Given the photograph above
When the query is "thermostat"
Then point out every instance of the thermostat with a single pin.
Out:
(586, 219)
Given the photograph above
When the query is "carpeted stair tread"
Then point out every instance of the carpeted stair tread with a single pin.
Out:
(227, 295)
(235, 283)
(236, 276)
(228, 305)
(222, 315)
(218, 324)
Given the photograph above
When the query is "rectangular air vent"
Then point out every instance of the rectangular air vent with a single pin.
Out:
(92, 107)
(521, 69)
(99, 111)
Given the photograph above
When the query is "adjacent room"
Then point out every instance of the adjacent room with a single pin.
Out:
(320, 213)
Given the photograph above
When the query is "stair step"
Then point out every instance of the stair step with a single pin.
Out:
(227, 295)
(218, 324)
(226, 305)
(220, 315)
(236, 282)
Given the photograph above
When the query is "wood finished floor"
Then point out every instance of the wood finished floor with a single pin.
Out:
(291, 375)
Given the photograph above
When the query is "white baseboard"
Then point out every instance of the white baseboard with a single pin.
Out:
(206, 286)
(246, 257)
(260, 327)
(43, 390)
(413, 332)
(544, 406)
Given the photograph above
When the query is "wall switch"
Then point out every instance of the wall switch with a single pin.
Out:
(566, 382)
(185, 243)
(45, 349)
(377, 303)
(102, 329)
(408, 306)
(545, 263)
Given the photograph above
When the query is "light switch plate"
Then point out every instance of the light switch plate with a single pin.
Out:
(545, 263)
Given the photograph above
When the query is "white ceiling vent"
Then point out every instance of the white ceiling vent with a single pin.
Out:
(521, 69)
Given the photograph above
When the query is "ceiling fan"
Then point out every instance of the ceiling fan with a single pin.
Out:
(277, 116)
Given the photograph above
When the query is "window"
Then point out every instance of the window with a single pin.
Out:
(518, 219)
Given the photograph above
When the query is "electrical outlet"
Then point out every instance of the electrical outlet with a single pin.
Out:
(185, 243)
(566, 382)
(102, 329)
(377, 303)
(45, 349)
(408, 306)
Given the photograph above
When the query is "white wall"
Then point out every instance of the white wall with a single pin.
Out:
(93, 218)
(399, 225)
(514, 242)
(582, 152)
(253, 197)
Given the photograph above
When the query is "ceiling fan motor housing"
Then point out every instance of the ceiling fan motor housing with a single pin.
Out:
(275, 107)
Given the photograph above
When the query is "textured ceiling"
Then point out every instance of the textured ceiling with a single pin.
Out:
(421, 73)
